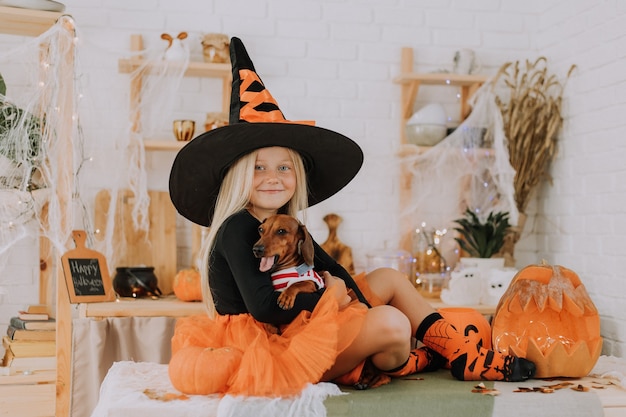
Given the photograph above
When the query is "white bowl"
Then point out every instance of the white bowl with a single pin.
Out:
(425, 134)
(432, 114)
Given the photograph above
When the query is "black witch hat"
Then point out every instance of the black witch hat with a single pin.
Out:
(331, 159)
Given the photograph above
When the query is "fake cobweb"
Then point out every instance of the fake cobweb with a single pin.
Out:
(51, 165)
(37, 123)
(468, 169)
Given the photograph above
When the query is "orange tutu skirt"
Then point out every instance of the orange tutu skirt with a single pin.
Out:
(276, 364)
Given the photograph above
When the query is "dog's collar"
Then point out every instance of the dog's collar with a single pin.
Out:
(303, 268)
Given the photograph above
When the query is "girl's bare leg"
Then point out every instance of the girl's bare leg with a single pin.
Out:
(395, 289)
(386, 334)
(467, 360)
(385, 337)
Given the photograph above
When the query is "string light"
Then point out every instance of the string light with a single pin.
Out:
(58, 65)
(21, 217)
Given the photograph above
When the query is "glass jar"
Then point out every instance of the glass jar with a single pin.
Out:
(398, 259)
(431, 269)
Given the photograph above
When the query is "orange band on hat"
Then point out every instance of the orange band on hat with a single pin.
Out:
(254, 99)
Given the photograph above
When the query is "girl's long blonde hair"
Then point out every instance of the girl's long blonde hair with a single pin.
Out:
(234, 195)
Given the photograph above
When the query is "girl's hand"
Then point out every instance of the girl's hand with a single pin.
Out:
(339, 288)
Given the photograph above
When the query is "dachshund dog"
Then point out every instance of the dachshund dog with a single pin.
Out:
(286, 250)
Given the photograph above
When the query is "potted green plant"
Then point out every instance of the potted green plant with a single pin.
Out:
(20, 144)
(482, 239)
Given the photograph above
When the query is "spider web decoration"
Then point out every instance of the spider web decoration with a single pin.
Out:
(38, 125)
(60, 143)
(151, 112)
(468, 169)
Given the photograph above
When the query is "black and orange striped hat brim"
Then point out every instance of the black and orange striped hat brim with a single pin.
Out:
(256, 121)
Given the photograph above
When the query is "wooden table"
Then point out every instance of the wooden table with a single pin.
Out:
(172, 307)
(486, 310)
(169, 306)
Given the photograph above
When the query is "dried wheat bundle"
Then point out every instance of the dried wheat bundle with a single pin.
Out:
(531, 110)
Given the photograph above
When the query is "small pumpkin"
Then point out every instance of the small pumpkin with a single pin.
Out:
(546, 316)
(188, 285)
(197, 370)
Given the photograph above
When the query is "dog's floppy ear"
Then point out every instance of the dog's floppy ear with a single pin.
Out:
(306, 246)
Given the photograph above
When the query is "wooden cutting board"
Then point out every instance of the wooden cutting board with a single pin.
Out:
(132, 247)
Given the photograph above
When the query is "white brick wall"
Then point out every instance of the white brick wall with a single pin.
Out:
(334, 62)
(584, 210)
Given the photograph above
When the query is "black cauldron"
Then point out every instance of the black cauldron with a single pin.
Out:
(136, 282)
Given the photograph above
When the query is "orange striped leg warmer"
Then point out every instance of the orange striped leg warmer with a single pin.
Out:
(469, 361)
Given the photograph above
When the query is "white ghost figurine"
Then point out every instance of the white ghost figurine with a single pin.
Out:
(497, 282)
(464, 287)
(176, 49)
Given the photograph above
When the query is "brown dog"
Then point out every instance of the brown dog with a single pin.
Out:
(286, 249)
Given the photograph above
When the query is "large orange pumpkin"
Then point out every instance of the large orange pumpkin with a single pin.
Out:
(547, 316)
(198, 370)
(187, 285)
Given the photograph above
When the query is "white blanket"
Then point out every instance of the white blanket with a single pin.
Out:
(132, 386)
(123, 392)
(611, 367)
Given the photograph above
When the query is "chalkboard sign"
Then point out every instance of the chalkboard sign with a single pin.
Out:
(86, 273)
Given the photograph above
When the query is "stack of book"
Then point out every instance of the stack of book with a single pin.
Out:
(30, 341)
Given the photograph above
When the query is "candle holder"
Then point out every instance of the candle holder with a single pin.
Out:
(184, 129)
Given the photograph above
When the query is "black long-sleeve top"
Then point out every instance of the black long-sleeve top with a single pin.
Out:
(237, 284)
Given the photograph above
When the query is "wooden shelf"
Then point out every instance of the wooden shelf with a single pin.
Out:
(26, 22)
(483, 309)
(173, 307)
(139, 67)
(169, 306)
(163, 145)
(410, 149)
(440, 78)
(411, 81)
(194, 69)
(37, 377)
